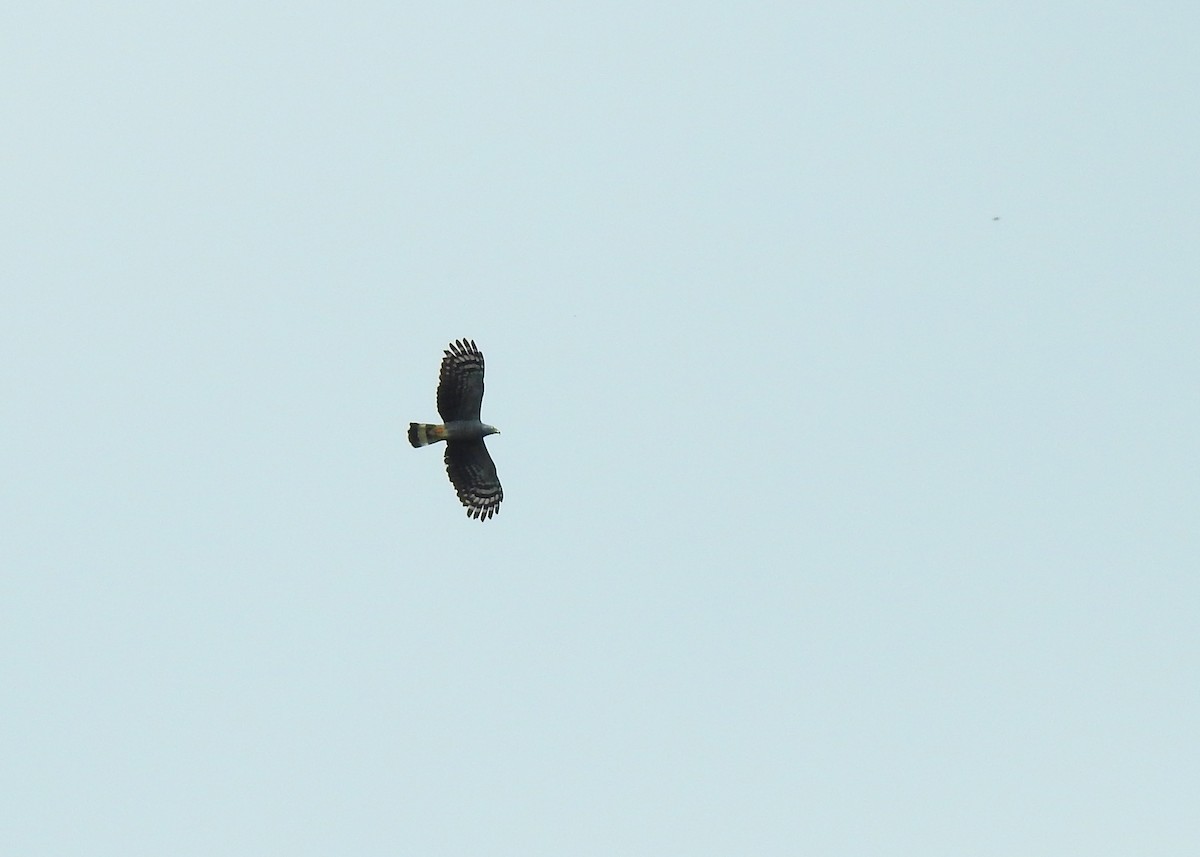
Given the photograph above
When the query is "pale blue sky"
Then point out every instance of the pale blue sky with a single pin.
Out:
(841, 518)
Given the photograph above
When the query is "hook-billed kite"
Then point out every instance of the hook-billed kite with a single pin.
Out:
(459, 396)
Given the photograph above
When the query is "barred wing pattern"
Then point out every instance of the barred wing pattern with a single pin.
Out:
(473, 473)
(459, 398)
(460, 388)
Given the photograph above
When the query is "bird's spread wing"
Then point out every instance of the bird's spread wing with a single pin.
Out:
(460, 388)
(473, 473)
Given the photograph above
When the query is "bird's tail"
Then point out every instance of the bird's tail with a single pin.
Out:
(423, 434)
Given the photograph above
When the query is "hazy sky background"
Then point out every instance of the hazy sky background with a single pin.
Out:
(841, 517)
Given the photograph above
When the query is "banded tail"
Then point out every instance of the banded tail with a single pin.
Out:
(423, 434)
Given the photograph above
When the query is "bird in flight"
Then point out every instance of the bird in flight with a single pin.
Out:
(468, 464)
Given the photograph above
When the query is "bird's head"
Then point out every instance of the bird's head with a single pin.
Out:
(490, 430)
